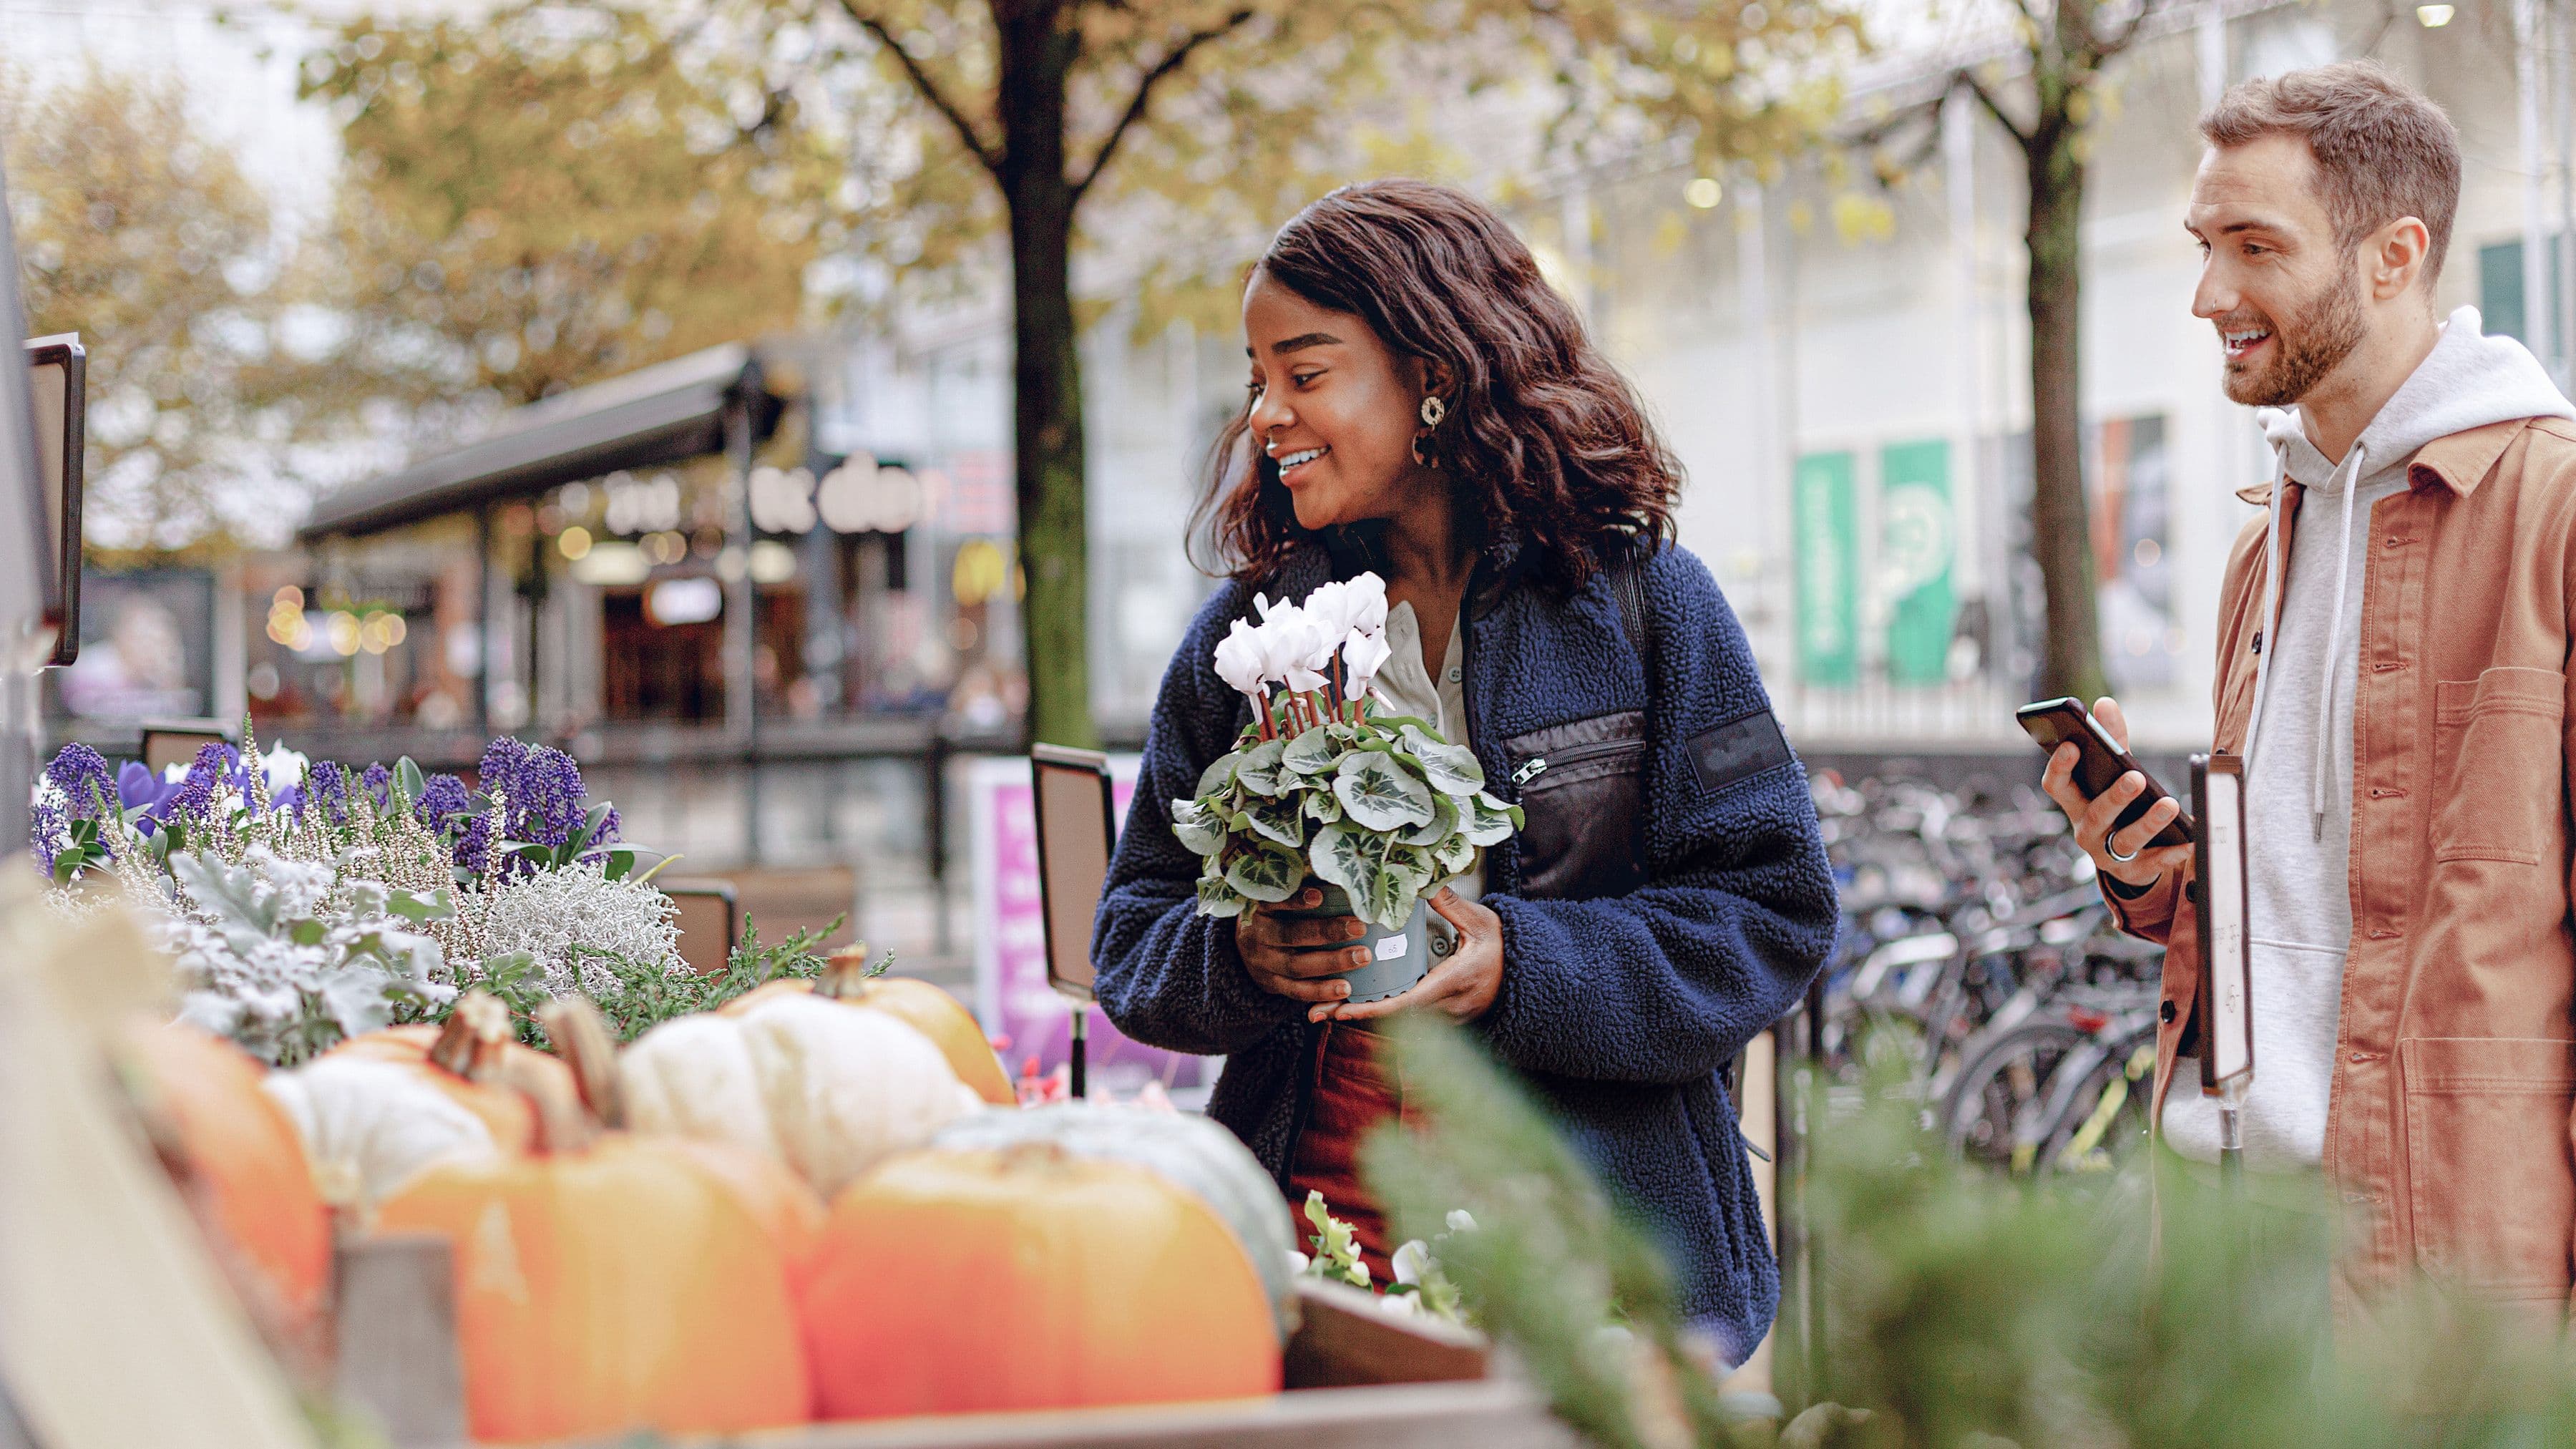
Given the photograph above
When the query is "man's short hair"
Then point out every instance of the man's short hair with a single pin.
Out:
(2383, 149)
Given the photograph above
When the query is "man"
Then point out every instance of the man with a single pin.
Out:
(2400, 700)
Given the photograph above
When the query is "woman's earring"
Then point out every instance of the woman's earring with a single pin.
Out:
(1424, 455)
(1433, 410)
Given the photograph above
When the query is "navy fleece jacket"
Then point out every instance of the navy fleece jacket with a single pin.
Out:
(1620, 1011)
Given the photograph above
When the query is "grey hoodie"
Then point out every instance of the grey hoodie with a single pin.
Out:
(2298, 740)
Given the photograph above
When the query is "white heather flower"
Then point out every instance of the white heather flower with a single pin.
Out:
(550, 912)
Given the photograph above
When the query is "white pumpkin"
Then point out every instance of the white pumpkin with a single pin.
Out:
(826, 1087)
(371, 1126)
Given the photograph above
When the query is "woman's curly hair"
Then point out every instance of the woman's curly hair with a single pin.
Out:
(1545, 445)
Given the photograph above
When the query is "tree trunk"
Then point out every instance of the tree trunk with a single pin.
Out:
(2061, 536)
(1037, 51)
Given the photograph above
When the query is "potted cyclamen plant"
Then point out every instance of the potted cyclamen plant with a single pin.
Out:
(1327, 785)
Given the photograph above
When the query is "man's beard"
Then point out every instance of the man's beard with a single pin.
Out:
(2312, 344)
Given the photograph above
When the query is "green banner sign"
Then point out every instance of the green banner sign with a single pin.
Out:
(1916, 543)
(1827, 534)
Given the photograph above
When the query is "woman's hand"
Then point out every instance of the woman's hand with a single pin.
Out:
(1462, 986)
(1291, 955)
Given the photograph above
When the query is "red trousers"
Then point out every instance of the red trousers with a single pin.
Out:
(1355, 1089)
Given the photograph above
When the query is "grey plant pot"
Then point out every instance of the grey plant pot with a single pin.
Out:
(1401, 957)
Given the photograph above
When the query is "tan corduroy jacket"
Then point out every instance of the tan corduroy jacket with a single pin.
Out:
(2448, 1125)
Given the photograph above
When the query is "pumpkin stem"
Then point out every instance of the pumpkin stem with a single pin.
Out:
(564, 1124)
(847, 973)
(476, 1034)
(582, 1039)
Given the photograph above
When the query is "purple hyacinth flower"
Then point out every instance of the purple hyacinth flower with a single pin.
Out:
(89, 789)
(216, 769)
(378, 782)
(442, 799)
(474, 847)
(330, 785)
(540, 788)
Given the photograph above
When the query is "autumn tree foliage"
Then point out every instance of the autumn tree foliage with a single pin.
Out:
(150, 243)
(544, 196)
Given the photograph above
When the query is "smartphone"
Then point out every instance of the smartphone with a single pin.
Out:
(2099, 763)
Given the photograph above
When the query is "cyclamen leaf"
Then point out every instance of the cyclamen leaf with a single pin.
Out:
(1442, 824)
(1260, 771)
(1488, 821)
(1451, 769)
(1341, 856)
(1219, 774)
(1322, 805)
(1265, 872)
(1313, 752)
(1282, 820)
(1197, 827)
(1454, 855)
(1380, 793)
(1218, 899)
(1386, 896)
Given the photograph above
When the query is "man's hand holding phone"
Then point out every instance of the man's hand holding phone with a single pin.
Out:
(2122, 854)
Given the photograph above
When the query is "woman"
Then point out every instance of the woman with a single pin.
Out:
(1424, 405)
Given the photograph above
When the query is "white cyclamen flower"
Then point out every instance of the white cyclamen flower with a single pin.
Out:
(1239, 659)
(1363, 655)
(1411, 1261)
(1364, 604)
(1297, 651)
(1460, 1222)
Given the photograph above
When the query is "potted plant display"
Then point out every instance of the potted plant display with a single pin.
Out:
(1329, 786)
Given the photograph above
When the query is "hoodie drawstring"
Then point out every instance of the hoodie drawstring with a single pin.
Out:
(2351, 473)
(2268, 643)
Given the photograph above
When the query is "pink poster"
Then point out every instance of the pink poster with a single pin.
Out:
(1011, 990)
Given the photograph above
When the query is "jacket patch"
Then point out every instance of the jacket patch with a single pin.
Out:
(1738, 750)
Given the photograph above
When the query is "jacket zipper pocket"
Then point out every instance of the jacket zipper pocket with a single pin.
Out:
(1537, 765)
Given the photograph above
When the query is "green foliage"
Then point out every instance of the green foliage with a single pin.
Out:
(1382, 808)
(1337, 1248)
(649, 995)
(1551, 1268)
(1960, 1308)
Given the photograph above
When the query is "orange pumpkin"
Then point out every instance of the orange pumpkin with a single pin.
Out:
(607, 1283)
(238, 1162)
(787, 1210)
(1030, 1278)
(916, 1003)
(465, 1058)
